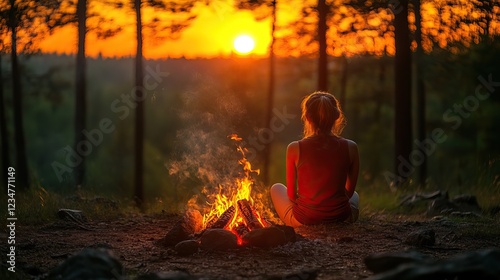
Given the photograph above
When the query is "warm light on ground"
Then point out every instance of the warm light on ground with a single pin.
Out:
(244, 44)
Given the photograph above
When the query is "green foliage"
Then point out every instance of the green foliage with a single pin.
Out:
(200, 102)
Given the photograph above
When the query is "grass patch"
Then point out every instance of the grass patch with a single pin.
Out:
(39, 206)
(479, 228)
(377, 196)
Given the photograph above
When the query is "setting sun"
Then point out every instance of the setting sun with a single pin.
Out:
(244, 44)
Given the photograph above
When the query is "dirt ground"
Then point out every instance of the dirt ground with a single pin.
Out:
(327, 251)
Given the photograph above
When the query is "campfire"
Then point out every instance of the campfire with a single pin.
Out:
(240, 220)
(230, 216)
(236, 212)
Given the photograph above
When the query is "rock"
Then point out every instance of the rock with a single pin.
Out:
(187, 247)
(459, 204)
(466, 199)
(464, 214)
(70, 214)
(218, 240)
(265, 237)
(89, 264)
(439, 205)
(166, 275)
(290, 234)
(467, 203)
(472, 265)
(190, 223)
(412, 200)
(382, 262)
(425, 237)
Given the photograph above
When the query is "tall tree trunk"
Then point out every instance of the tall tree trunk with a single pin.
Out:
(270, 94)
(323, 59)
(3, 130)
(403, 118)
(80, 87)
(22, 179)
(343, 82)
(139, 111)
(380, 89)
(421, 134)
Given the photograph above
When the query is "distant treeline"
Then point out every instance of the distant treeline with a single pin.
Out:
(193, 105)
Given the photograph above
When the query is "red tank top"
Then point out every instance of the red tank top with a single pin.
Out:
(321, 174)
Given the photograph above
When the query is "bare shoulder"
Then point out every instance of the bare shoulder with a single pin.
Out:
(353, 148)
(351, 143)
(293, 147)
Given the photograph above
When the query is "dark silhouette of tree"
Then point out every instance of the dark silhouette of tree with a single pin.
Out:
(103, 28)
(309, 37)
(16, 13)
(272, 82)
(28, 21)
(421, 134)
(343, 82)
(354, 28)
(3, 125)
(402, 78)
(271, 4)
(139, 111)
(170, 29)
(322, 10)
(3, 118)
(80, 87)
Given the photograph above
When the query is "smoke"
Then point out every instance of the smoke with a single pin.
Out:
(206, 158)
(207, 161)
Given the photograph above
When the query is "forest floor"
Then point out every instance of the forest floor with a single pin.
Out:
(327, 252)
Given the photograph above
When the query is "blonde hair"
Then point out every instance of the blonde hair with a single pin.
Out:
(321, 114)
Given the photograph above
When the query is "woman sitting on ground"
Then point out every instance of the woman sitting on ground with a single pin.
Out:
(321, 169)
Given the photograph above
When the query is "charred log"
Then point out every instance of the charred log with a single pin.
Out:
(249, 215)
(224, 219)
(241, 230)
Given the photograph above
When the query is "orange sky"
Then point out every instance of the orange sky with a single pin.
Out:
(211, 34)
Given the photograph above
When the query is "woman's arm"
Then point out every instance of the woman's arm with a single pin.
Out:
(292, 157)
(352, 176)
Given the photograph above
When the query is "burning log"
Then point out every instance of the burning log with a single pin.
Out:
(241, 230)
(249, 215)
(224, 219)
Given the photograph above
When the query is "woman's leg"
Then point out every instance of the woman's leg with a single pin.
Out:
(283, 205)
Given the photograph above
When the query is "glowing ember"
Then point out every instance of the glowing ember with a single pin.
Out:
(241, 192)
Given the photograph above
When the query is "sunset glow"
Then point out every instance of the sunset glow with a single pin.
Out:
(244, 44)
(213, 32)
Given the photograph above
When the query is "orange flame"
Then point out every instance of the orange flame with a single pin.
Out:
(242, 190)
